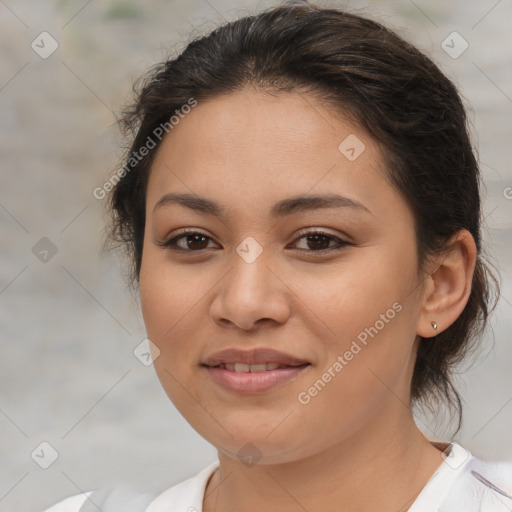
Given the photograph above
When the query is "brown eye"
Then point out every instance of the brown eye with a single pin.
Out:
(196, 241)
(193, 241)
(318, 241)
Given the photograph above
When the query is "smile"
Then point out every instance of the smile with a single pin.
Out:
(248, 379)
(253, 368)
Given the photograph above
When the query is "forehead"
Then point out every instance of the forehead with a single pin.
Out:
(253, 148)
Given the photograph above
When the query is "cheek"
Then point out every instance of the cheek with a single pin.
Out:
(358, 379)
(165, 302)
(355, 294)
(370, 309)
(165, 292)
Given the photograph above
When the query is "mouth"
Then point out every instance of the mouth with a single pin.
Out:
(253, 371)
(255, 368)
(243, 360)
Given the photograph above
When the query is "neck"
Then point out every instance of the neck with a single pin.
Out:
(376, 469)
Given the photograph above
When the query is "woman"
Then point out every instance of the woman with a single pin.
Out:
(301, 205)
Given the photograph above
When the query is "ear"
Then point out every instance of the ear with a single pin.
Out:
(446, 290)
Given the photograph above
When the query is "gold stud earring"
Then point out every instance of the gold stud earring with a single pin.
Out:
(434, 325)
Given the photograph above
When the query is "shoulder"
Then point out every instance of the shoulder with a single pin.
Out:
(186, 496)
(482, 483)
(71, 504)
(107, 499)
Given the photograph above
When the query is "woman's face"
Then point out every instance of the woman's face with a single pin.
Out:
(337, 311)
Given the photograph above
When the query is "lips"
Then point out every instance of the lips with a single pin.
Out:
(253, 371)
(252, 360)
(253, 368)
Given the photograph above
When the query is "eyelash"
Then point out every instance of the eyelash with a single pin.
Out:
(171, 243)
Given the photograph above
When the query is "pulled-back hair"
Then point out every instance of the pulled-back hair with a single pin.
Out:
(377, 79)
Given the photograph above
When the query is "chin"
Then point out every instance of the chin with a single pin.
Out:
(260, 451)
(266, 445)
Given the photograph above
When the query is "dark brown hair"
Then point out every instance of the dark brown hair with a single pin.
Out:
(396, 93)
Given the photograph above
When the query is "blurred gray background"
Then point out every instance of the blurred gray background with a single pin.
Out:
(69, 324)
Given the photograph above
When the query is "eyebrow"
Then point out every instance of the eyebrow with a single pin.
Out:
(280, 209)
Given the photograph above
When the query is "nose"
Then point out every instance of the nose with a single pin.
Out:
(251, 294)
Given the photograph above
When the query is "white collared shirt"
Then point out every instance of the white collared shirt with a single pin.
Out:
(462, 483)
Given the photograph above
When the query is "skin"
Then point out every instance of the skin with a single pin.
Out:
(355, 443)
